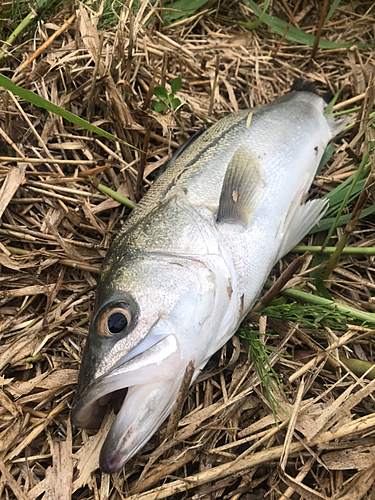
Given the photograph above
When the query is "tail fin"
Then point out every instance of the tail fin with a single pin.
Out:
(300, 85)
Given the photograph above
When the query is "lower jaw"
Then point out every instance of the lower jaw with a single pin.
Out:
(140, 416)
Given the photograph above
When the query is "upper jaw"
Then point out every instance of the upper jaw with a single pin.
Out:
(95, 383)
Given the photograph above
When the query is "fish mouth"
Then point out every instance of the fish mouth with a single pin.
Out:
(144, 387)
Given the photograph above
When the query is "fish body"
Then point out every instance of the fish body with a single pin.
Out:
(191, 260)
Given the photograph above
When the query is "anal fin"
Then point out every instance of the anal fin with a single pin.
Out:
(241, 189)
(336, 125)
(298, 223)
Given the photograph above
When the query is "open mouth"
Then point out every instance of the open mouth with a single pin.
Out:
(114, 400)
(132, 389)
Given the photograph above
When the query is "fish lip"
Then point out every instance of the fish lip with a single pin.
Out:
(109, 465)
(154, 369)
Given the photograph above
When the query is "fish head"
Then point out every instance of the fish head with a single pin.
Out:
(148, 323)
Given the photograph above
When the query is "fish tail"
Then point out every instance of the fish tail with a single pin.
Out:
(301, 85)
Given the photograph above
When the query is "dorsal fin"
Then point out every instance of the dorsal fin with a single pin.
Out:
(241, 188)
(181, 149)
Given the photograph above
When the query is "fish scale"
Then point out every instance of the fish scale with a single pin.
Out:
(192, 259)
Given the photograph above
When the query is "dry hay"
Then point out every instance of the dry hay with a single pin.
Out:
(225, 444)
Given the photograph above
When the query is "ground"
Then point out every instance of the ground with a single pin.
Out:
(102, 63)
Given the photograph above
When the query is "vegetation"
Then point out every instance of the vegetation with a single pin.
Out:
(88, 117)
(167, 100)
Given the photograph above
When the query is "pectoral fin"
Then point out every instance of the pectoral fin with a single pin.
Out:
(241, 189)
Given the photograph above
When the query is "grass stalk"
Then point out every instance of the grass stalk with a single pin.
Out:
(23, 25)
(320, 27)
(280, 283)
(64, 262)
(47, 43)
(347, 111)
(300, 296)
(59, 304)
(116, 196)
(331, 250)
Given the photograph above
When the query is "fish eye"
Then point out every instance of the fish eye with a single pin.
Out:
(114, 321)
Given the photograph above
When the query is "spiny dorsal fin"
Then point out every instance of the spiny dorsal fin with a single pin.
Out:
(241, 188)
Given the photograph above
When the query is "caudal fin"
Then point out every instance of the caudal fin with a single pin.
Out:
(300, 85)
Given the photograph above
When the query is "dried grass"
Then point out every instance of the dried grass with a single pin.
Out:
(56, 227)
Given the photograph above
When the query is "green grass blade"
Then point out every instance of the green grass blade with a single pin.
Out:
(328, 153)
(331, 11)
(182, 9)
(348, 194)
(255, 24)
(40, 102)
(294, 34)
(116, 196)
(328, 109)
(325, 224)
(335, 202)
(337, 195)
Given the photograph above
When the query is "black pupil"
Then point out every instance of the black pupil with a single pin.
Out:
(117, 322)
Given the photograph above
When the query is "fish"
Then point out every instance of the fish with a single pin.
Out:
(191, 261)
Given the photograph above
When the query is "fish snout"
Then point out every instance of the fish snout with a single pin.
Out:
(151, 382)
